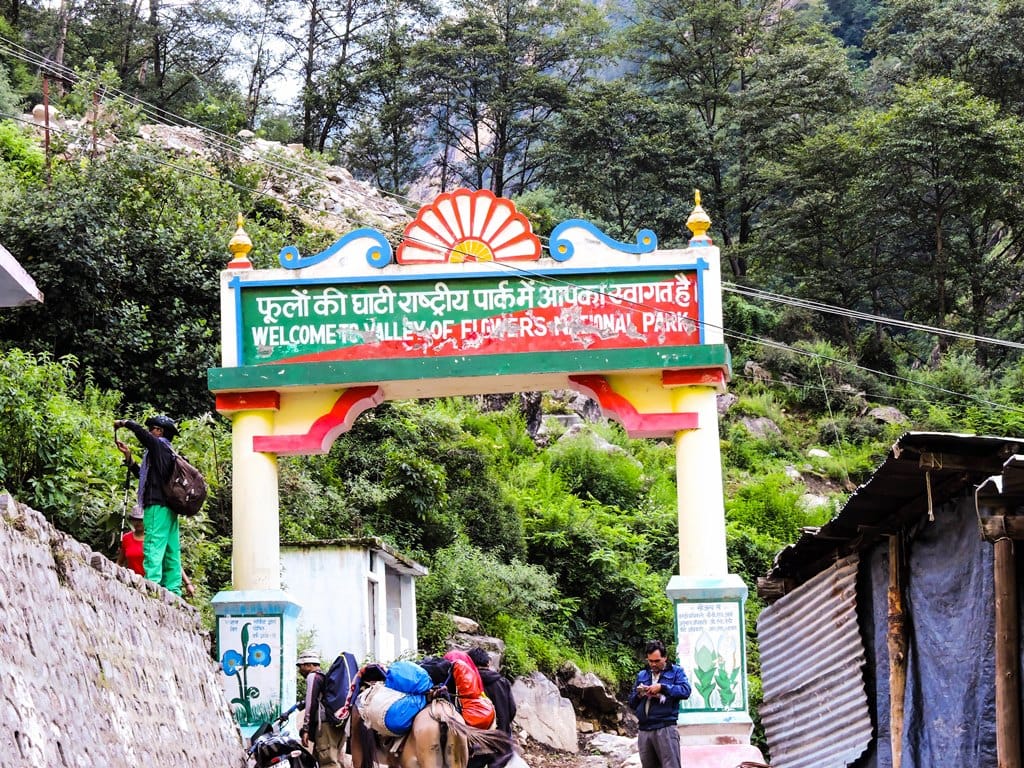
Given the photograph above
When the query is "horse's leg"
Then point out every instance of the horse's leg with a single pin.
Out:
(361, 741)
(457, 752)
(423, 747)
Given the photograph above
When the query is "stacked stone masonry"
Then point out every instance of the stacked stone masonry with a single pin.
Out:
(97, 665)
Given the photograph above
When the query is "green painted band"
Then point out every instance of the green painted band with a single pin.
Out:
(349, 372)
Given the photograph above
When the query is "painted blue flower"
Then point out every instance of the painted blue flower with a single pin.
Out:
(230, 662)
(259, 655)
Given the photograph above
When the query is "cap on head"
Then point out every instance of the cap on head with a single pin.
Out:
(308, 657)
(166, 423)
(136, 513)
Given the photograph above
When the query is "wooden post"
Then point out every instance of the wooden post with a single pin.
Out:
(46, 125)
(1008, 738)
(897, 642)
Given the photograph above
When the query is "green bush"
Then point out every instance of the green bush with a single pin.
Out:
(468, 582)
(611, 477)
(19, 152)
(768, 509)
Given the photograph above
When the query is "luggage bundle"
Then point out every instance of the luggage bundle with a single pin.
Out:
(390, 707)
(477, 710)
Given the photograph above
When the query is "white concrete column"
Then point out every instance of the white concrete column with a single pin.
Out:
(256, 550)
(701, 501)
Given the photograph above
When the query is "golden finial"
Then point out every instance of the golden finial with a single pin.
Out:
(239, 245)
(698, 223)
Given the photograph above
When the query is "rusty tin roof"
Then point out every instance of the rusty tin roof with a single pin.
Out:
(921, 469)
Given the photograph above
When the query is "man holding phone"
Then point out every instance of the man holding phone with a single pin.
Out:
(655, 700)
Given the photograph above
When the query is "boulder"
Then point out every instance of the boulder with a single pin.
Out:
(494, 646)
(819, 453)
(811, 501)
(888, 415)
(462, 624)
(586, 690)
(756, 372)
(760, 426)
(725, 402)
(617, 750)
(543, 714)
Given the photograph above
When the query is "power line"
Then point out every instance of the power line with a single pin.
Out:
(30, 57)
(853, 314)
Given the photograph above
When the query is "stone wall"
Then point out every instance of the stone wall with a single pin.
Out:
(97, 665)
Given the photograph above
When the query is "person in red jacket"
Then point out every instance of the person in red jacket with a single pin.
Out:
(130, 555)
(477, 710)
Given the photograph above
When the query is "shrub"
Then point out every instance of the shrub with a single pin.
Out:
(611, 477)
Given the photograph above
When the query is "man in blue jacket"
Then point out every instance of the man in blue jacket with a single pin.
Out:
(655, 699)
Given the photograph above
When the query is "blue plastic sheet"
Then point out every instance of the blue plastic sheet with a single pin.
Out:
(950, 696)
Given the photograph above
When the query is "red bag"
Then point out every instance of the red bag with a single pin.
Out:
(477, 709)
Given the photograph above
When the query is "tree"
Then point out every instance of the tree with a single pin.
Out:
(171, 56)
(978, 43)
(264, 24)
(914, 209)
(387, 144)
(948, 169)
(621, 156)
(333, 55)
(703, 57)
(496, 73)
(127, 251)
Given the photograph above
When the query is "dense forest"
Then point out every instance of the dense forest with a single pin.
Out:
(862, 162)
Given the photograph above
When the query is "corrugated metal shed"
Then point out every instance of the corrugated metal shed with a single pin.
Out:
(816, 712)
(920, 466)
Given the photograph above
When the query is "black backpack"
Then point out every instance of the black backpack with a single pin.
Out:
(337, 686)
(185, 489)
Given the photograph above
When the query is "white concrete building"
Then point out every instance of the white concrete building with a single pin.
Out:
(357, 595)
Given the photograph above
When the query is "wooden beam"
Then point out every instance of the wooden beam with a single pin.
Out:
(896, 637)
(771, 590)
(933, 460)
(1007, 652)
(1003, 527)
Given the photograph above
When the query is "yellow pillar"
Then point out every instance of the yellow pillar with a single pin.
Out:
(701, 503)
(256, 549)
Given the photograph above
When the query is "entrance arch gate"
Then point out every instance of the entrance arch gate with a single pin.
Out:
(469, 303)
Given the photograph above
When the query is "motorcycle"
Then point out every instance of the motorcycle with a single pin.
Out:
(270, 747)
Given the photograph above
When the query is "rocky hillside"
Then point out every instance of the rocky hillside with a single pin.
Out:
(326, 196)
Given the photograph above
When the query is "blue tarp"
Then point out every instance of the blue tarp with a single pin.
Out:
(950, 696)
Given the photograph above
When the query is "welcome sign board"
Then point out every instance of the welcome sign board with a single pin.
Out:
(468, 284)
(472, 315)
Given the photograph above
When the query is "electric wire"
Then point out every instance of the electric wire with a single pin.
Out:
(550, 278)
(160, 116)
(853, 314)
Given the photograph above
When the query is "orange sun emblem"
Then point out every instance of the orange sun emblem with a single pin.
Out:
(464, 226)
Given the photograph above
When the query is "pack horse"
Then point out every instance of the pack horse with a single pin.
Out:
(403, 717)
(439, 738)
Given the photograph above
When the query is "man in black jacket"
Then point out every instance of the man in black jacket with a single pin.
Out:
(161, 549)
(499, 691)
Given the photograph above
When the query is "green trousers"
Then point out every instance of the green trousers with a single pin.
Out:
(161, 548)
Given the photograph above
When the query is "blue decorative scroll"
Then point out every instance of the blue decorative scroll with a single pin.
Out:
(561, 248)
(378, 255)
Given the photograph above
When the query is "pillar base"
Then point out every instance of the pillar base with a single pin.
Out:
(256, 650)
(719, 755)
(700, 728)
(711, 647)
